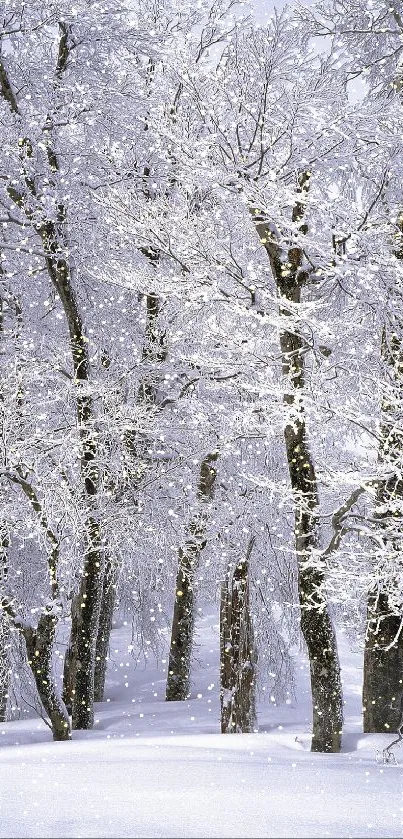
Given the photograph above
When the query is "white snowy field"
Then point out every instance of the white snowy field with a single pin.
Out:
(157, 769)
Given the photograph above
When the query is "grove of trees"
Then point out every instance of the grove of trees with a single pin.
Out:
(201, 325)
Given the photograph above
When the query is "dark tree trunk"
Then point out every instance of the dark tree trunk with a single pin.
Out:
(8, 298)
(40, 644)
(70, 659)
(383, 668)
(154, 348)
(154, 352)
(104, 631)
(79, 668)
(316, 624)
(383, 654)
(237, 653)
(180, 653)
(5, 669)
(80, 656)
(40, 641)
(52, 234)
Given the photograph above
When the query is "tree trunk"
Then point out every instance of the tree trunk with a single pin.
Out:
(104, 631)
(4, 668)
(383, 654)
(70, 659)
(316, 624)
(237, 653)
(79, 668)
(40, 643)
(85, 616)
(81, 654)
(52, 234)
(383, 668)
(5, 635)
(180, 653)
(154, 348)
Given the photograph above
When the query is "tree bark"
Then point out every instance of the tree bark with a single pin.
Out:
(104, 631)
(154, 349)
(383, 654)
(180, 653)
(40, 641)
(5, 664)
(40, 644)
(316, 623)
(79, 670)
(4, 668)
(52, 234)
(85, 617)
(237, 653)
(383, 668)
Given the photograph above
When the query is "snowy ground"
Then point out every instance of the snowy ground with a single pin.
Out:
(157, 769)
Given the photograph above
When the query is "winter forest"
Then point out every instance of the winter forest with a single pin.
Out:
(201, 468)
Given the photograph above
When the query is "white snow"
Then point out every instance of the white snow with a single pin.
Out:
(157, 769)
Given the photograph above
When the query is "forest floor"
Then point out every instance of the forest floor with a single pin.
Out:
(156, 769)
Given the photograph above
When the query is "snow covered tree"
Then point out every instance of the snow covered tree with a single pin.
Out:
(57, 108)
(237, 651)
(180, 653)
(201, 244)
(39, 636)
(370, 39)
(258, 152)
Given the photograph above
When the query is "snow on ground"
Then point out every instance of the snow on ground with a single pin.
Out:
(157, 769)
